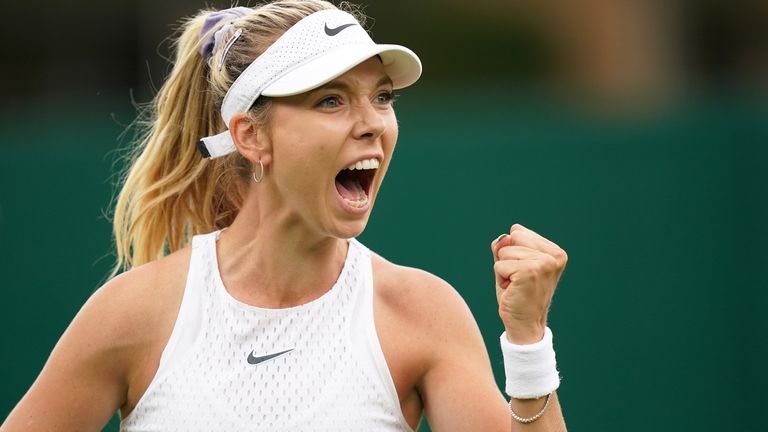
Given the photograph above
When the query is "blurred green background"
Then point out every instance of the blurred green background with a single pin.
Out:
(633, 134)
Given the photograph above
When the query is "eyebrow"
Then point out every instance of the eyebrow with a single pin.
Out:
(341, 85)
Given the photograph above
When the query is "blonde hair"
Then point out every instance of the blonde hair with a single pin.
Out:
(169, 192)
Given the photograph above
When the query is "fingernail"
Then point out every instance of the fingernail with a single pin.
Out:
(499, 238)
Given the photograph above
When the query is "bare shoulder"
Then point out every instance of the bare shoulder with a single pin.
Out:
(109, 352)
(434, 343)
(422, 319)
(142, 300)
(418, 294)
(129, 317)
(135, 313)
(149, 288)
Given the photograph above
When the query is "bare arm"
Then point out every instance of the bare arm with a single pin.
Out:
(458, 389)
(83, 382)
(107, 355)
(528, 268)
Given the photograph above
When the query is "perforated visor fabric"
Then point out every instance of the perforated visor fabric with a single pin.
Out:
(317, 49)
(321, 70)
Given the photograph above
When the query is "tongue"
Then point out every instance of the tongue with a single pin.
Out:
(349, 187)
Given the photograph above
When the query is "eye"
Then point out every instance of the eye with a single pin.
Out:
(385, 97)
(329, 102)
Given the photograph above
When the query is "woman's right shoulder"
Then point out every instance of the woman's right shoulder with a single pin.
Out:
(109, 352)
(132, 315)
(144, 301)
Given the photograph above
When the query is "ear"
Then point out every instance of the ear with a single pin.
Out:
(251, 141)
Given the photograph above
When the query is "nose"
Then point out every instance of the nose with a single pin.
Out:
(370, 123)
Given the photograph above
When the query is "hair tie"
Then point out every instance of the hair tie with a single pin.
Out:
(209, 41)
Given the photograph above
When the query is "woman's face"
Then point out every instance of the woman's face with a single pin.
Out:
(318, 136)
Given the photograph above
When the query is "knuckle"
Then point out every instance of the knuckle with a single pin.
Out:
(497, 266)
(530, 268)
(507, 252)
(549, 264)
(561, 256)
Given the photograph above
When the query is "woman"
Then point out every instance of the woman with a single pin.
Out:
(276, 318)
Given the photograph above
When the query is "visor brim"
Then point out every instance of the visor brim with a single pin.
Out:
(401, 65)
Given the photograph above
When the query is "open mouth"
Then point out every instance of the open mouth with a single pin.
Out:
(353, 183)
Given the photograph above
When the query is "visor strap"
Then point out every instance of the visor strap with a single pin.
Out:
(216, 145)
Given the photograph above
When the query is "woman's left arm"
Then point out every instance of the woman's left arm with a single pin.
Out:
(458, 388)
(528, 268)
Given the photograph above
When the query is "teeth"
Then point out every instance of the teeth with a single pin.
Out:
(364, 164)
(358, 203)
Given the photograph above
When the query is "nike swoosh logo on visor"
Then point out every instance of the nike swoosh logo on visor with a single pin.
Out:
(334, 31)
(261, 359)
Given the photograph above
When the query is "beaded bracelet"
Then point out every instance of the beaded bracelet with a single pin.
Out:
(528, 420)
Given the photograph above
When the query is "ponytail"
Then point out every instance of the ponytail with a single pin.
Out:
(170, 192)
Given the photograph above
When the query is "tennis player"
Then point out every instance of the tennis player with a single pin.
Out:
(248, 304)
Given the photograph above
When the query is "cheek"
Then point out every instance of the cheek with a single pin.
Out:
(295, 163)
(391, 134)
(389, 142)
(302, 162)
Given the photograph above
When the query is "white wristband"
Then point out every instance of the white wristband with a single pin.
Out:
(531, 370)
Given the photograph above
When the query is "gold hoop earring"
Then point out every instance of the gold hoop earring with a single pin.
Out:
(261, 173)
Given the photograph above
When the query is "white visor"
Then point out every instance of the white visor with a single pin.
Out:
(319, 48)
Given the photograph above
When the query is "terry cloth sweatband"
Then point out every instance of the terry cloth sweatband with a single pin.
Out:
(531, 370)
(317, 49)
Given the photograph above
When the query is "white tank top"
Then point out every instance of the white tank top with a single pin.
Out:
(229, 366)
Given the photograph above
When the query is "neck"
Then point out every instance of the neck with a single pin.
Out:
(269, 258)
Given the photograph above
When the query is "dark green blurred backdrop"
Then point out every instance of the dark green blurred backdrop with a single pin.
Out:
(658, 320)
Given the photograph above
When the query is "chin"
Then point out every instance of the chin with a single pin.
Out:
(349, 229)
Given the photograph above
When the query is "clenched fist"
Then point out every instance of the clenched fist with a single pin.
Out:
(527, 268)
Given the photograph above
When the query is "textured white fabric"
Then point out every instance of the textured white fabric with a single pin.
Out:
(317, 49)
(335, 377)
(531, 370)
